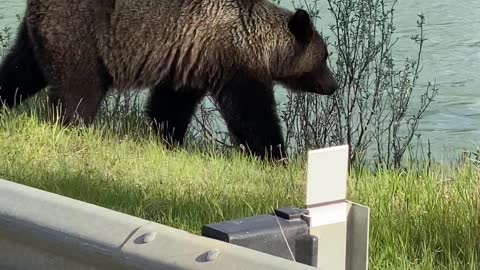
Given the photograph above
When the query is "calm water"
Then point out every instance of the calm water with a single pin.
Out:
(451, 57)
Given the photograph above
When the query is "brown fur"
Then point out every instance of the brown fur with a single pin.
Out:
(86, 47)
(143, 41)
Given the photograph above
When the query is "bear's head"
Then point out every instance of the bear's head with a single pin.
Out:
(305, 69)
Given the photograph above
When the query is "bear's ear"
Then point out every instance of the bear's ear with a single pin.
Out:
(301, 26)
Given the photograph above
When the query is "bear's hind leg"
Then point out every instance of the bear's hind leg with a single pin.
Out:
(171, 111)
(248, 107)
(67, 50)
(76, 94)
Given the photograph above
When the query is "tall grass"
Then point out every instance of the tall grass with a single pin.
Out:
(420, 219)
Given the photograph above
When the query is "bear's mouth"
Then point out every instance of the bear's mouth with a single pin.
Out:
(326, 87)
(320, 89)
(325, 82)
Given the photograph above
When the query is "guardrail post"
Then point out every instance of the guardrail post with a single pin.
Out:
(341, 226)
(330, 233)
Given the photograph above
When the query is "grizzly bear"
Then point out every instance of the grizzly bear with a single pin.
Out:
(233, 50)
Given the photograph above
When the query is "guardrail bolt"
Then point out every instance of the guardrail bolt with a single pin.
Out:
(149, 237)
(213, 254)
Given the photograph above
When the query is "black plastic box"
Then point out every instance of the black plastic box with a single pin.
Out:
(269, 234)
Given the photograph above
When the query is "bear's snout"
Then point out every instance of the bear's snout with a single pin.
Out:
(328, 83)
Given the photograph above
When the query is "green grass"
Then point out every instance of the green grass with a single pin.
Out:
(420, 219)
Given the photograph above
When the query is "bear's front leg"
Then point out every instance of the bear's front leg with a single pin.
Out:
(171, 111)
(249, 109)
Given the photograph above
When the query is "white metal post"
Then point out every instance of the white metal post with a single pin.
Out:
(342, 234)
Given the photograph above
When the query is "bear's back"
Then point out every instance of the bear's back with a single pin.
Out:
(141, 41)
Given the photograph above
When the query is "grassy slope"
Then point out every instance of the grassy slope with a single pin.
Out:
(419, 220)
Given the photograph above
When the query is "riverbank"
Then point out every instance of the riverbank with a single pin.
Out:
(420, 219)
(450, 58)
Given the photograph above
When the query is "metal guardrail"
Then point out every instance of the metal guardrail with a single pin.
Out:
(44, 231)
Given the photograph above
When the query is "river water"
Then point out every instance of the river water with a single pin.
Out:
(451, 57)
